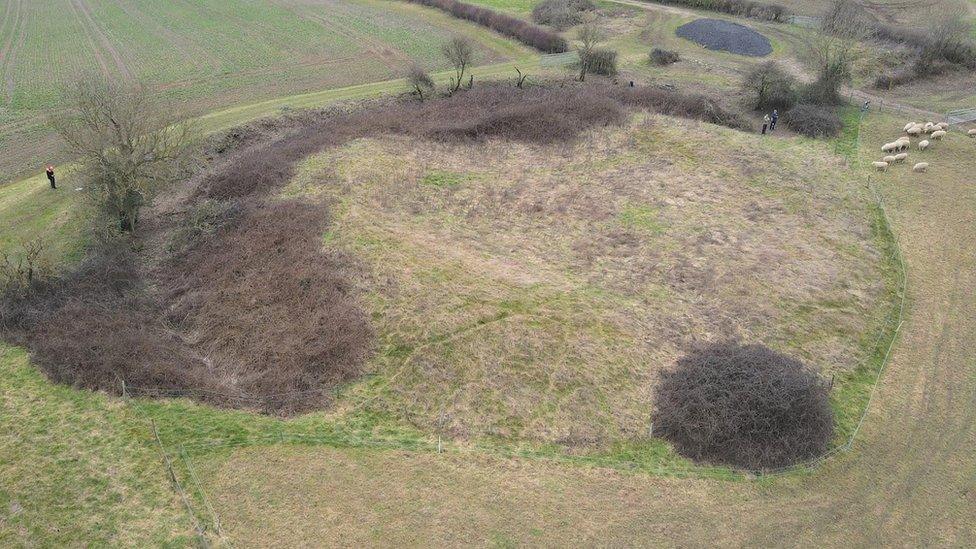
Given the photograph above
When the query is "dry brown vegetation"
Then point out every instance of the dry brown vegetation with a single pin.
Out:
(534, 292)
(230, 297)
(744, 405)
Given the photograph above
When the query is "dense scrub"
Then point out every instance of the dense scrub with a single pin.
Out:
(525, 32)
(561, 14)
(743, 405)
(813, 120)
(742, 8)
(229, 296)
(662, 57)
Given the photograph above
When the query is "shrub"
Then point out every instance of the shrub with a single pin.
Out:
(561, 14)
(673, 103)
(419, 81)
(600, 61)
(743, 405)
(244, 306)
(813, 120)
(742, 8)
(529, 34)
(662, 57)
(769, 86)
(825, 90)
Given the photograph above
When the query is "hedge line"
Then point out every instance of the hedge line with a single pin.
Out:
(530, 34)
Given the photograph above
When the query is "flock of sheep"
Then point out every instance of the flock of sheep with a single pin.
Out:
(914, 129)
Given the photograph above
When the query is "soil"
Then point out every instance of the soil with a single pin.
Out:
(716, 34)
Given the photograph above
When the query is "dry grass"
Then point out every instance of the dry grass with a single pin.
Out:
(908, 480)
(534, 291)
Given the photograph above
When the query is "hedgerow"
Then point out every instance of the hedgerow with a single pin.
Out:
(528, 33)
(741, 8)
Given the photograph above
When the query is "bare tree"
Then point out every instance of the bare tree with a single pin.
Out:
(128, 145)
(460, 53)
(949, 35)
(589, 35)
(420, 81)
(768, 85)
(835, 48)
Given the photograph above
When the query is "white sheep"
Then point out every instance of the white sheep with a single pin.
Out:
(915, 130)
(938, 134)
(923, 144)
(900, 157)
(889, 159)
(881, 166)
(920, 167)
(909, 126)
(889, 147)
(903, 143)
(971, 133)
(943, 125)
(929, 127)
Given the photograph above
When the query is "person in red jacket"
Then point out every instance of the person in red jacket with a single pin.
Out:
(50, 176)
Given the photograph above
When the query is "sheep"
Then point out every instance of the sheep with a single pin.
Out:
(929, 127)
(971, 133)
(900, 157)
(909, 126)
(881, 166)
(943, 126)
(915, 130)
(938, 134)
(920, 167)
(889, 147)
(889, 159)
(903, 143)
(923, 144)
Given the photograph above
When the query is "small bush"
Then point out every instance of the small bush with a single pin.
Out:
(525, 32)
(813, 120)
(663, 57)
(769, 86)
(743, 405)
(561, 14)
(601, 61)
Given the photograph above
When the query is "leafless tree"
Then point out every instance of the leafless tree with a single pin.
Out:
(127, 143)
(836, 47)
(420, 81)
(589, 35)
(459, 51)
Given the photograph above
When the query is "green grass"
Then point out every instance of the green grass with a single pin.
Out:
(209, 54)
(78, 468)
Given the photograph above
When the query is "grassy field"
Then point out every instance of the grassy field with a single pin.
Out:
(909, 479)
(80, 468)
(207, 55)
(513, 295)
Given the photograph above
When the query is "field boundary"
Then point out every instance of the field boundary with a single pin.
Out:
(340, 436)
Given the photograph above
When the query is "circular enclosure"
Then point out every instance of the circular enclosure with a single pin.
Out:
(716, 34)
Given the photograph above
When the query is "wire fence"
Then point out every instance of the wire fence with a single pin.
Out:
(184, 450)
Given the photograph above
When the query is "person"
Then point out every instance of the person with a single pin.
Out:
(50, 176)
(765, 123)
(773, 119)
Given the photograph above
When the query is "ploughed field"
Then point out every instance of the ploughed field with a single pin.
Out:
(208, 53)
